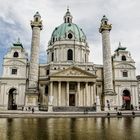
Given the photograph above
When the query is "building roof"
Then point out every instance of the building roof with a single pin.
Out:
(18, 44)
(61, 32)
(120, 48)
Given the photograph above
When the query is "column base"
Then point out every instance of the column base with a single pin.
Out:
(98, 108)
(3, 108)
(50, 108)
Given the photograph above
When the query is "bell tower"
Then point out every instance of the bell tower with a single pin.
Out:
(105, 29)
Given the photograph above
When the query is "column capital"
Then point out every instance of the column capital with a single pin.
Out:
(37, 22)
(104, 25)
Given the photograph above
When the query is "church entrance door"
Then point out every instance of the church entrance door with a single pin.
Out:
(71, 99)
(126, 100)
(12, 99)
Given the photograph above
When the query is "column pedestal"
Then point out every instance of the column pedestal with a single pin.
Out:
(31, 99)
(50, 108)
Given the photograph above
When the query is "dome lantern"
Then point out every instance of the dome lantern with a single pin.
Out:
(68, 17)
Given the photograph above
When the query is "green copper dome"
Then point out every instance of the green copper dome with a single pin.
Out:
(67, 31)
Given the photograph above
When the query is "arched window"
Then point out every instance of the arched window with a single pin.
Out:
(70, 36)
(36, 19)
(123, 58)
(15, 54)
(12, 99)
(53, 39)
(46, 90)
(52, 56)
(68, 20)
(126, 100)
(47, 72)
(126, 92)
(70, 54)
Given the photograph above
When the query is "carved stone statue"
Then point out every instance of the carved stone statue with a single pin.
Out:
(51, 100)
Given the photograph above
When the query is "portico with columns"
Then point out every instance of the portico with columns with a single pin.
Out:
(72, 87)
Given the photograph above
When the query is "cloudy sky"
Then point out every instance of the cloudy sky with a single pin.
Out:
(124, 15)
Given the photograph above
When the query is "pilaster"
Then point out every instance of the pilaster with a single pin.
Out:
(78, 93)
(59, 93)
(67, 100)
(86, 93)
(50, 103)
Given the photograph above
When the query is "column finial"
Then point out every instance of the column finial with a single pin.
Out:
(105, 25)
(18, 41)
(67, 8)
(68, 17)
(120, 45)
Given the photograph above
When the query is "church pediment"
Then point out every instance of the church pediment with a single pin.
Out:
(124, 66)
(14, 62)
(74, 72)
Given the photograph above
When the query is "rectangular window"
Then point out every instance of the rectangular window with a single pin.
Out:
(14, 72)
(125, 74)
(52, 56)
(72, 86)
(47, 72)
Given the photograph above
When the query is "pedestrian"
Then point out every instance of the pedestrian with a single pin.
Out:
(32, 110)
(29, 108)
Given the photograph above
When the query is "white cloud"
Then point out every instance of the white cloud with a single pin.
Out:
(124, 16)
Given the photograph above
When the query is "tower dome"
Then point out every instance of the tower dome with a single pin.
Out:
(68, 31)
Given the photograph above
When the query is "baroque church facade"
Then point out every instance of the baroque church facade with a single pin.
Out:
(68, 81)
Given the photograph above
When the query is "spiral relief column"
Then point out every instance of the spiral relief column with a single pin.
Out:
(105, 29)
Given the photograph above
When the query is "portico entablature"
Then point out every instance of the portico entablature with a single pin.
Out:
(123, 83)
(72, 79)
(73, 74)
(125, 65)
